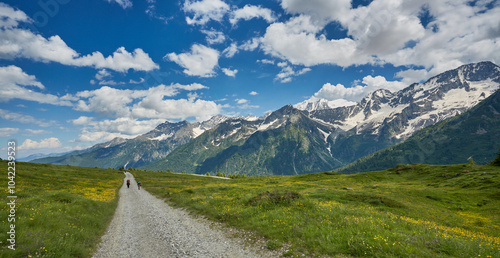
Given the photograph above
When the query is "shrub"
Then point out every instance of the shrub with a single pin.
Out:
(496, 162)
(274, 197)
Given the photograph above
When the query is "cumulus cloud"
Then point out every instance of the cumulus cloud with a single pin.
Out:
(21, 43)
(229, 72)
(49, 143)
(388, 32)
(249, 12)
(16, 84)
(136, 112)
(11, 17)
(146, 104)
(201, 61)
(357, 92)
(124, 127)
(253, 93)
(297, 41)
(204, 11)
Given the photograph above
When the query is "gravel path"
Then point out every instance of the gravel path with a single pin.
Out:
(145, 226)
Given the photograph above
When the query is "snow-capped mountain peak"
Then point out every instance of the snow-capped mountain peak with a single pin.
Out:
(314, 103)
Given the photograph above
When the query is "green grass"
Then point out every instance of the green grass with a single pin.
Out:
(62, 211)
(407, 211)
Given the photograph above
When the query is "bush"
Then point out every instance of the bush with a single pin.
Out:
(274, 197)
(496, 162)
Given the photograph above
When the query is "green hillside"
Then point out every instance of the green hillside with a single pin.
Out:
(295, 147)
(475, 134)
(61, 211)
(408, 211)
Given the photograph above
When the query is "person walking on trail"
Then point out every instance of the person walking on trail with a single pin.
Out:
(139, 184)
(128, 183)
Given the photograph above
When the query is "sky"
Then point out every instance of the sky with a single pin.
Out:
(76, 73)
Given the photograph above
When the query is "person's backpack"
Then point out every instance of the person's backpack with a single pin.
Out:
(128, 181)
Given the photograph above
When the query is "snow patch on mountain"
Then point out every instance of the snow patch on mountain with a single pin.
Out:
(163, 137)
(318, 104)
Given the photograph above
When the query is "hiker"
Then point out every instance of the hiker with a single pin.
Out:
(128, 183)
(139, 184)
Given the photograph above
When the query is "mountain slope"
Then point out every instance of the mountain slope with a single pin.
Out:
(475, 134)
(291, 141)
(138, 151)
(285, 142)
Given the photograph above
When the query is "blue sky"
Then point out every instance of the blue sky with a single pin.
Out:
(76, 73)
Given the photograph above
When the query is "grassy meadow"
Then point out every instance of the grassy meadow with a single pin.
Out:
(407, 211)
(61, 211)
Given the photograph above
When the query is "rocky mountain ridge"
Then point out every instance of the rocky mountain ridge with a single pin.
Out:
(293, 141)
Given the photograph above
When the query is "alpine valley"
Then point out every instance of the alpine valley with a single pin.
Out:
(309, 137)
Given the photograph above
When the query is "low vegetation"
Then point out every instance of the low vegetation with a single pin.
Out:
(62, 211)
(407, 211)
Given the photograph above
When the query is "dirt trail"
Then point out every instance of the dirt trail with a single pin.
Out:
(145, 226)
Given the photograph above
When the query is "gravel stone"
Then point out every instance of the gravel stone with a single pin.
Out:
(145, 226)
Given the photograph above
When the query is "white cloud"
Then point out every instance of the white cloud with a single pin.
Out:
(357, 92)
(16, 84)
(241, 101)
(249, 45)
(123, 3)
(146, 104)
(83, 120)
(229, 72)
(388, 32)
(205, 10)
(21, 43)
(297, 41)
(287, 72)
(25, 119)
(34, 132)
(251, 11)
(124, 127)
(49, 143)
(136, 112)
(266, 61)
(11, 17)
(136, 82)
(331, 103)
(231, 50)
(7, 132)
(101, 74)
(201, 61)
(154, 106)
(214, 37)
(253, 93)
(322, 11)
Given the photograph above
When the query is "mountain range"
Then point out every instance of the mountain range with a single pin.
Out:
(310, 137)
(473, 135)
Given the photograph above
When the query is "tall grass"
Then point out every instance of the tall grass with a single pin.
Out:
(61, 211)
(408, 211)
